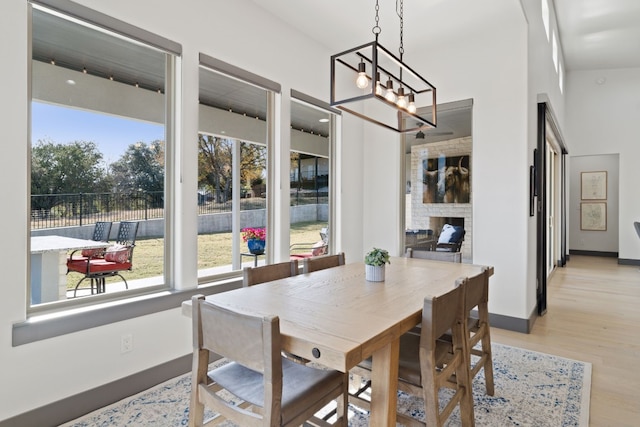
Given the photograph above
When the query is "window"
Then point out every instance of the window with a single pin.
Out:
(561, 77)
(554, 51)
(234, 122)
(545, 16)
(310, 176)
(98, 139)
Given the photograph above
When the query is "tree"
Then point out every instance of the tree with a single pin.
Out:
(215, 164)
(57, 168)
(141, 167)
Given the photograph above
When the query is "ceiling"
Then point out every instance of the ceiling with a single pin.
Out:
(594, 34)
(599, 34)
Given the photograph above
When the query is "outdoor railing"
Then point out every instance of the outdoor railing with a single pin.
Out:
(67, 210)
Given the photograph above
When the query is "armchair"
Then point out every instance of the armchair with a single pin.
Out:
(101, 232)
(308, 250)
(108, 263)
(451, 238)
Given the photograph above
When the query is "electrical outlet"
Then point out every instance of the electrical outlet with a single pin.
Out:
(126, 343)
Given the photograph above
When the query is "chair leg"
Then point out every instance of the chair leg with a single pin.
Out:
(342, 412)
(488, 364)
(78, 284)
(198, 376)
(126, 285)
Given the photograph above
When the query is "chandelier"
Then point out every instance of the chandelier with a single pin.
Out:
(375, 85)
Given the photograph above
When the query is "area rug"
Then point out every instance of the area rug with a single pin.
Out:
(531, 389)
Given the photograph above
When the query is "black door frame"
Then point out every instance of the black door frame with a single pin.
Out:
(545, 115)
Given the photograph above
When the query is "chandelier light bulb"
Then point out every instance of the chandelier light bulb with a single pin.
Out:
(379, 90)
(402, 100)
(412, 105)
(362, 81)
(390, 95)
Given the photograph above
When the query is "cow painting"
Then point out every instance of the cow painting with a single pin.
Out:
(446, 180)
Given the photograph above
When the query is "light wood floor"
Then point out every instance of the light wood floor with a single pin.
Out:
(593, 315)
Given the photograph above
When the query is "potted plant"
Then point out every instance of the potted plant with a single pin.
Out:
(255, 238)
(374, 261)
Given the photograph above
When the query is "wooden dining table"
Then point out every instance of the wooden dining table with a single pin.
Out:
(337, 318)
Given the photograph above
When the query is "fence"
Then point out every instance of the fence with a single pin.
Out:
(68, 210)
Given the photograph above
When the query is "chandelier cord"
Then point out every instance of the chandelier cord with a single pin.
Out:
(376, 28)
(401, 15)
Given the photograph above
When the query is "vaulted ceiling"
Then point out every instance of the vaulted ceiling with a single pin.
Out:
(594, 34)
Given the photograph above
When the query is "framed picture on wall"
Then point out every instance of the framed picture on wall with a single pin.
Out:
(593, 216)
(593, 185)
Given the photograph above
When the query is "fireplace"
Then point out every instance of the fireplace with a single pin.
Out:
(433, 214)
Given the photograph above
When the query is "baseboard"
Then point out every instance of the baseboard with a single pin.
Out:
(593, 253)
(515, 324)
(625, 261)
(68, 409)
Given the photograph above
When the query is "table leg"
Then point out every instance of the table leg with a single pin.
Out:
(48, 280)
(384, 385)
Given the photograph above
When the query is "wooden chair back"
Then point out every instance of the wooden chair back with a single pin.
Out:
(255, 374)
(433, 255)
(251, 341)
(266, 273)
(320, 263)
(442, 313)
(427, 364)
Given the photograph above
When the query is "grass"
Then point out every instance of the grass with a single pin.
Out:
(214, 250)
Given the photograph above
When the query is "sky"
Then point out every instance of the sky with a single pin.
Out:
(111, 134)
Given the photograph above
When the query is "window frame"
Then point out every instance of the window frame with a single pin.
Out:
(273, 93)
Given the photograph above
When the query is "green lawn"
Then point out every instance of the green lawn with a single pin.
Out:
(214, 250)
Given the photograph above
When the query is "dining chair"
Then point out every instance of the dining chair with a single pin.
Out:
(322, 262)
(478, 330)
(266, 389)
(266, 273)
(426, 365)
(433, 255)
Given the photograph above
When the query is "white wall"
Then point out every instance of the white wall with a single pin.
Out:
(603, 119)
(586, 240)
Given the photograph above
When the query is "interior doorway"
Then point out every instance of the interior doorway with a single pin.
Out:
(551, 211)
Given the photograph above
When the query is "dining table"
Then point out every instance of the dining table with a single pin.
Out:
(336, 318)
(48, 265)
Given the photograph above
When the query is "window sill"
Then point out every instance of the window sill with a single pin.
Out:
(48, 325)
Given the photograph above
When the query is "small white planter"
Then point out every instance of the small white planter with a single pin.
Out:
(374, 273)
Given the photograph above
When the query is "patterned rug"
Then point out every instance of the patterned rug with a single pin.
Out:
(531, 389)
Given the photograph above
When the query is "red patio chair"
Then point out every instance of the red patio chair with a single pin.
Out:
(110, 263)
